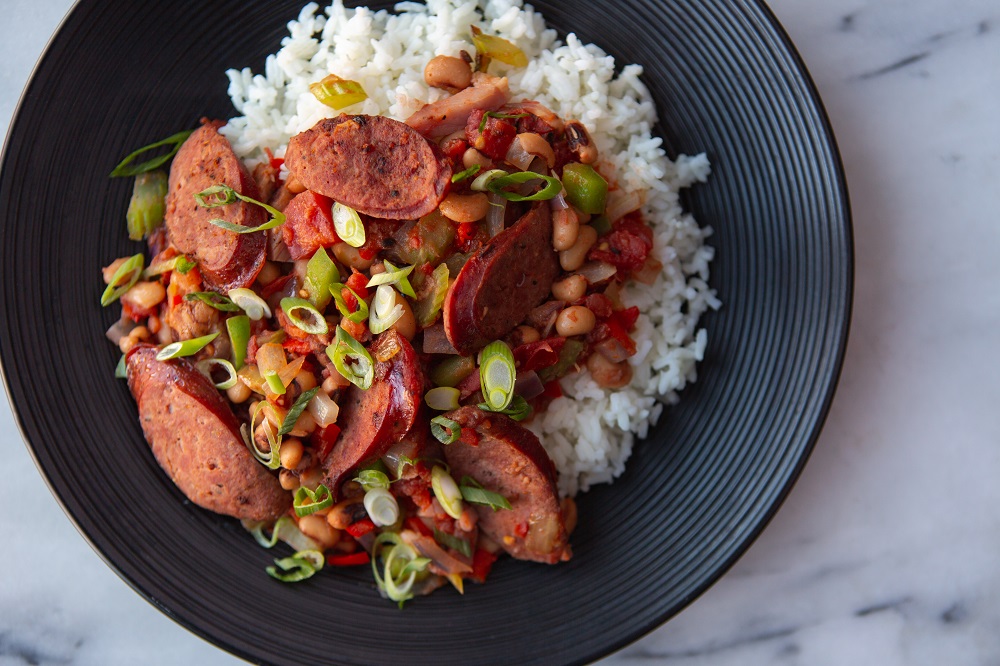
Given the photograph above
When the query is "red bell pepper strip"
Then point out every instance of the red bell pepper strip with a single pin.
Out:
(361, 528)
(482, 562)
(349, 560)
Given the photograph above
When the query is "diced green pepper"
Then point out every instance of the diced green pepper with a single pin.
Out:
(432, 296)
(568, 355)
(425, 241)
(585, 188)
(321, 272)
(602, 225)
(452, 370)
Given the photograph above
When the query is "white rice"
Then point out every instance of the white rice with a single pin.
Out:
(590, 432)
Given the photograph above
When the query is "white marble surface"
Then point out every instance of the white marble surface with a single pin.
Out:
(885, 553)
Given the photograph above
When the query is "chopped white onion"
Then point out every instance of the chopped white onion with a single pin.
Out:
(621, 204)
(323, 409)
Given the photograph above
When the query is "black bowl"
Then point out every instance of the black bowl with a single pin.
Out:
(696, 493)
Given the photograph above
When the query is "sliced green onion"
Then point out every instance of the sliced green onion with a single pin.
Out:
(217, 301)
(359, 315)
(453, 542)
(497, 375)
(385, 311)
(222, 195)
(401, 566)
(403, 462)
(427, 308)
(209, 364)
(185, 347)
(442, 398)
(467, 173)
(239, 337)
(338, 93)
(284, 529)
(121, 372)
(491, 46)
(274, 383)
(381, 506)
(372, 478)
(347, 223)
(269, 459)
(124, 169)
(445, 430)
(473, 491)
(394, 275)
(299, 406)
(300, 566)
(553, 186)
(446, 491)
(147, 205)
(484, 179)
(518, 409)
(302, 313)
(499, 116)
(180, 263)
(307, 502)
(125, 277)
(255, 306)
(321, 272)
(352, 360)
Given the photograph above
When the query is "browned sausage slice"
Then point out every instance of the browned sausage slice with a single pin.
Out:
(196, 439)
(376, 165)
(501, 283)
(376, 418)
(508, 459)
(226, 260)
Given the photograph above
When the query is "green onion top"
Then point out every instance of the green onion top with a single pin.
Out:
(445, 430)
(483, 180)
(300, 566)
(255, 306)
(497, 375)
(372, 478)
(206, 366)
(394, 275)
(553, 186)
(308, 502)
(124, 279)
(216, 300)
(385, 311)
(359, 315)
(239, 336)
(467, 173)
(352, 360)
(185, 347)
(347, 223)
(518, 409)
(302, 313)
(125, 167)
(180, 263)
(222, 195)
(288, 424)
(321, 272)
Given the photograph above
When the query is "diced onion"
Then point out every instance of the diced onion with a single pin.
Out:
(621, 204)
(495, 215)
(323, 409)
(518, 156)
(597, 271)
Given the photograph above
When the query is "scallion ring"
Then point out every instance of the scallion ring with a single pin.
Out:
(124, 279)
(274, 383)
(442, 398)
(300, 566)
(400, 566)
(381, 506)
(268, 459)
(483, 180)
(351, 359)
(445, 430)
(284, 529)
(213, 299)
(304, 315)
(394, 275)
(385, 311)
(180, 263)
(185, 347)
(255, 306)
(518, 409)
(337, 93)
(347, 223)
(446, 491)
(372, 478)
(359, 315)
(210, 364)
(553, 186)
(308, 502)
(124, 169)
(121, 371)
(221, 195)
(497, 375)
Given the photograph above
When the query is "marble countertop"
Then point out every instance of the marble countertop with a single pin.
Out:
(885, 552)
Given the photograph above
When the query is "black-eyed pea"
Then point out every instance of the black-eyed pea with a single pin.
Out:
(472, 157)
(565, 228)
(238, 392)
(575, 320)
(351, 257)
(406, 325)
(465, 207)
(573, 258)
(448, 72)
(288, 479)
(609, 374)
(319, 530)
(571, 288)
(290, 453)
(537, 145)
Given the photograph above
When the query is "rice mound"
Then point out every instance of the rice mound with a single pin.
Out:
(589, 433)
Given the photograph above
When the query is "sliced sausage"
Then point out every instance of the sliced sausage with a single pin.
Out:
(376, 165)
(196, 439)
(226, 260)
(308, 224)
(448, 115)
(507, 458)
(374, 419)
(502, 282)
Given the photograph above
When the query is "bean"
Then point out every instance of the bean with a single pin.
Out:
(126, 343)
(575, 320)
(239, 392)
(290, 453)
(580, 142)
(316, 528)
(608, 374)
(288, 479)
(565, 228)
(153, 324)
(139, 333)
(305, 379)
(537, 145)
(351, 257)
(311, 478)
(528, 334)
(146, 295)
(346, 513)
(448, 72)
(573, 258)
(406, 325)
(472, 157)
(304, 425)
(465, 207)
(335, 381)
(570, 289)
